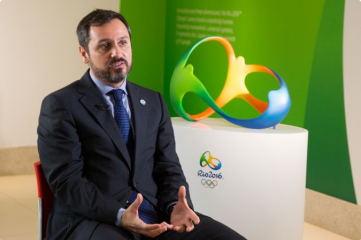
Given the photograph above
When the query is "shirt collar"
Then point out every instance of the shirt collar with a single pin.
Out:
(104, 89)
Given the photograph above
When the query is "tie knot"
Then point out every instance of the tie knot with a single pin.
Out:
(117, 94)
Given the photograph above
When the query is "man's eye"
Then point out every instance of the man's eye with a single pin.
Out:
(104, 46)
(123, 43)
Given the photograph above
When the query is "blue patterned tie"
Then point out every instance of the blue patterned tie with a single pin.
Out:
(122, 118)
(146, 211)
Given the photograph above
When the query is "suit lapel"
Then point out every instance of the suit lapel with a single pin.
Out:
(139, 118)
(94, 102)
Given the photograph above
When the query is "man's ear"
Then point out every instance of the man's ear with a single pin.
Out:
(84, 55)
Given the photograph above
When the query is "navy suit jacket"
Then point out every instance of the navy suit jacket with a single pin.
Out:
(87, 164)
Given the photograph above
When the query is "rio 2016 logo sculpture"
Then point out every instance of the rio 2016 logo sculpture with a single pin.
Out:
(184, 81)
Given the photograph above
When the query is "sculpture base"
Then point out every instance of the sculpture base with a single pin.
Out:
(259, 190)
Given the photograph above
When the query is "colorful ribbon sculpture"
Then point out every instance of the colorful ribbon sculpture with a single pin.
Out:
(183, 81)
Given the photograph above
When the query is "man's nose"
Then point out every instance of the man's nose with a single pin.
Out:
(116, 52)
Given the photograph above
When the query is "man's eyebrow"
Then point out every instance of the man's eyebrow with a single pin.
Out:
(109, 40)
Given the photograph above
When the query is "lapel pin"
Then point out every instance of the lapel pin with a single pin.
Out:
(142, 101)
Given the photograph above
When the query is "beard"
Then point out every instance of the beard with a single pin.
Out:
(107, 76)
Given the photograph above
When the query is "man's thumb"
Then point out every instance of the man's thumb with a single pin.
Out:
(182, 194)
(137, 201)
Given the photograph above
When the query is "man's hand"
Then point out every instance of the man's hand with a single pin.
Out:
(131, 221)
(182, 217)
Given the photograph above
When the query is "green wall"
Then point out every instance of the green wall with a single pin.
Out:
(147, 23)
(328, 165)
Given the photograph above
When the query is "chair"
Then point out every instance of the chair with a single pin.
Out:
(45, 200)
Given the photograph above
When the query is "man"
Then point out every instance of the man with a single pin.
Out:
(108, 151)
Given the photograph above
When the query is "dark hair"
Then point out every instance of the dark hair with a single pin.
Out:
(97, 17)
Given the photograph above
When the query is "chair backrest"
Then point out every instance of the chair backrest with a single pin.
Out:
(45, 199)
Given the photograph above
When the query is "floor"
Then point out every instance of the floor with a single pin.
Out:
(18, 212)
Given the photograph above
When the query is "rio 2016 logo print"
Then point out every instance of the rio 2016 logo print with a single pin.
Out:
(208, 178)
(183, 81)
(212, 162)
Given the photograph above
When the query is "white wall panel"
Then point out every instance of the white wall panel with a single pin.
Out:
(352, 87)
(38, 55)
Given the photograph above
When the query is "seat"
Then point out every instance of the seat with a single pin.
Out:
(45, 200)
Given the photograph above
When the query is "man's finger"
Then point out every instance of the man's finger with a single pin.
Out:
(167, 225)
(182, 195)
(195, 219)
(149, 227)
(135, 205)
(189, 225)
(153, 230)
(190, 228)
(179, 229)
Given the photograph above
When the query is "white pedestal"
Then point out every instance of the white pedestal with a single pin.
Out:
(260, 189)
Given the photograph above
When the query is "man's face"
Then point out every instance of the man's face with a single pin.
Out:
(109, 52)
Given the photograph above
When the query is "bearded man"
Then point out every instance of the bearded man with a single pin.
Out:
(107, 149)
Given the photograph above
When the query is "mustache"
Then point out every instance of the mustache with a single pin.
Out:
(118, 60)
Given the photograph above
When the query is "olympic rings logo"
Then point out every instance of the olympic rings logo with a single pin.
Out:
(183, 81)
(209, 183)
(212, 162)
